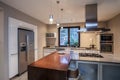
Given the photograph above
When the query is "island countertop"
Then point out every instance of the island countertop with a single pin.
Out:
(54, 61)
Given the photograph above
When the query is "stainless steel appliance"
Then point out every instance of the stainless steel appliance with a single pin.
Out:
(95, 55)
(25, 49)
(106, 43)
(92, 20)
(106, 38)
(106, 47)
(50, 39)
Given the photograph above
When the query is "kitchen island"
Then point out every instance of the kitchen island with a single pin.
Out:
(51, 67)
(55, 67)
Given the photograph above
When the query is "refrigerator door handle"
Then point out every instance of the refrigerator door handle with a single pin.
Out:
(27, 54)
(13, 54)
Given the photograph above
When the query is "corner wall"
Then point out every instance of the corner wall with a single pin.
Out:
(114, 25)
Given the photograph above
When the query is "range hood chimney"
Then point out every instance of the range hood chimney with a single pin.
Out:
(91, 16)
(91, 19)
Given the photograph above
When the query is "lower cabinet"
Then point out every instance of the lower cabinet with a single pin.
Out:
(13, 64)
(111, 72)
(88, 71)
(35, 73)
(98, 70)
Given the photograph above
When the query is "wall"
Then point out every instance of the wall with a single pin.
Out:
(114, 25)
(3, 67)
(12, 12)
(85, 38)
(41, 39)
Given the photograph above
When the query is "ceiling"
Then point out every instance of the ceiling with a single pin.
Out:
(73, 10)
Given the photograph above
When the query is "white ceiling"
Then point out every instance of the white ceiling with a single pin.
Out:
(74, 10)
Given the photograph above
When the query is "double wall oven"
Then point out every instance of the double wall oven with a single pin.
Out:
(106, 43)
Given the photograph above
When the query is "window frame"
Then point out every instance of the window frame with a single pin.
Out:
(69, 27)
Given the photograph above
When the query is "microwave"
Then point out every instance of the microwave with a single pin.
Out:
(106, 38)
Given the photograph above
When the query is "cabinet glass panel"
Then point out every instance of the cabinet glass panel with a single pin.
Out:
(111, 72)
(88, 71)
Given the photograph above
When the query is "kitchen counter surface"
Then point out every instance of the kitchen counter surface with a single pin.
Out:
(72, 48)
(60, 61)
(51, 67)
(54, 61)
(108, 58)
(55, 65)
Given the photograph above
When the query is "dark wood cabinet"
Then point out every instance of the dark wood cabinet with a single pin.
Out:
(35, 73)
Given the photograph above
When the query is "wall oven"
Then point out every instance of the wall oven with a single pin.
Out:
(106, 43)
(106, 38)
(106, 47)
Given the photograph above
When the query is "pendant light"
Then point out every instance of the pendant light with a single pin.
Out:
(61, 16)
(51, 19)
(58, 21)
(51, 15)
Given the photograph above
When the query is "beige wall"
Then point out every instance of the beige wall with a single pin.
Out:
(85, 37)
(114, 25)
(41, 39)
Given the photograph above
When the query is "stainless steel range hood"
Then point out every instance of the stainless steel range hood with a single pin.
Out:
(91, 19)
(91, 16)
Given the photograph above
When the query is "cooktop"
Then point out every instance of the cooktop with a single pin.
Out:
(90, 55)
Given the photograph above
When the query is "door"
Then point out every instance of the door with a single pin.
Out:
(30, 46)
(106, 47)
(22, 51)
(25, 49)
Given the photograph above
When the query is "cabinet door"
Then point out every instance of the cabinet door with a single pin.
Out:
(13, 51)
(88, 71)
(111, 72)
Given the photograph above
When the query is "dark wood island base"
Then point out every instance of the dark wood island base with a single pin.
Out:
(51, 67)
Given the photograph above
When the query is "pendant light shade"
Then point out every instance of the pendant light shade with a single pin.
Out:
(58, 19)
(51, 13)
(51, 19)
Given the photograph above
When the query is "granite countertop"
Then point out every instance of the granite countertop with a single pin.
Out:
(107, 58)
(72, 48)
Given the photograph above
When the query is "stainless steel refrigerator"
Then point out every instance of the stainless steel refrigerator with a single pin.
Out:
(25, 49)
